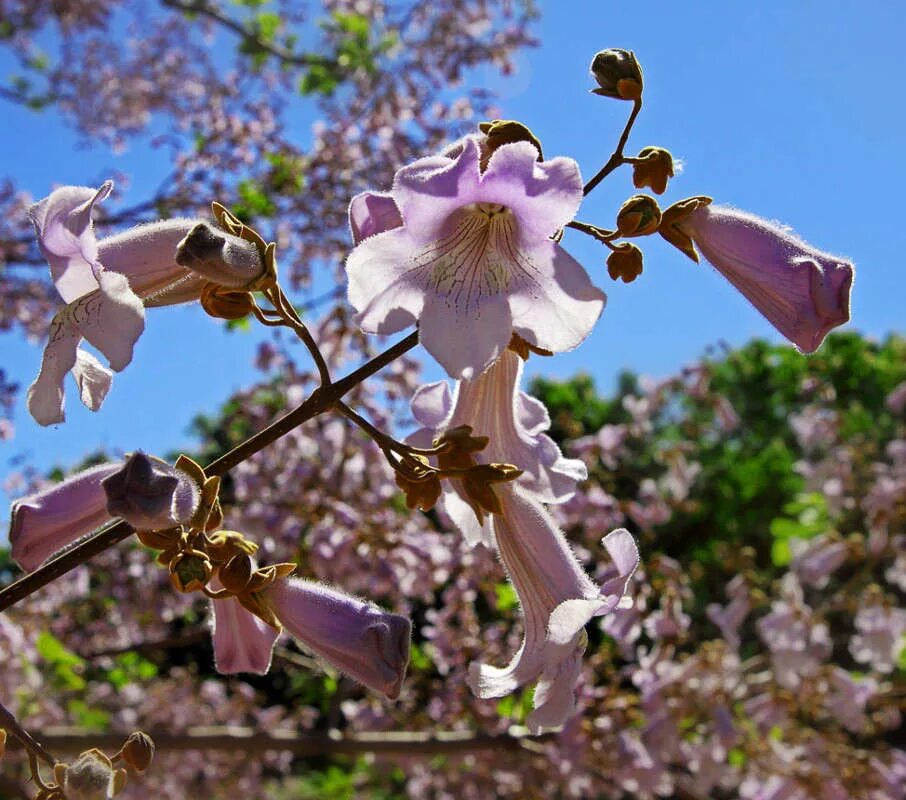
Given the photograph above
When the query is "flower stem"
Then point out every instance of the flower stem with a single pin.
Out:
(319, 401)
(616, 159)
(11, 725)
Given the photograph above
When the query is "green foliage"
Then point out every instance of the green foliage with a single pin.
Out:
(748, 491)
(130, 668)
(66, 665)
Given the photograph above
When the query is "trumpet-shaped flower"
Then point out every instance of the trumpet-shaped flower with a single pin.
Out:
(473, 259)
(359, 639)
(802, 292)
(514, 422)
(148, 493)
(106, 285)
(557, 600)
(242, 641)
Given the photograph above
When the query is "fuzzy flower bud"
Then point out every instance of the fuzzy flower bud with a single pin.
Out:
(802, 291)
(625, 262)
(653, 168)
(150, 494)
(638, 216)
(90, 777)
(138, 751)
(361, 640)
(618, 74)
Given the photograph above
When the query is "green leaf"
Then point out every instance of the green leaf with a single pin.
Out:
(92, 719)
(53, 651)
(507, 598)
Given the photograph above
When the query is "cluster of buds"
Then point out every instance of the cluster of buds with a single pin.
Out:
(93, 775)
(455, 450)
(197, 552)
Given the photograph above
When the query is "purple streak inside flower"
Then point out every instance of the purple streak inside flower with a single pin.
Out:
(474, 256)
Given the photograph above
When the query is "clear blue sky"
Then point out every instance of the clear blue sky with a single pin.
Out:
(791, 110)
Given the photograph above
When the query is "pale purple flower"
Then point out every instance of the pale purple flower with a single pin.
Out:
(730, 617)
(880, 637)
(814, 561)
(799, 643)
(242, 641)
(802, 292)
(557, 600)
(148, 493)
(361, 640)
(473, 260)
(107, 284)
(514, 422)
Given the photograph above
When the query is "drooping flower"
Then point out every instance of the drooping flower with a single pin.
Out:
(802, 291)
(473, 260)
(107, 284)
(359, 639)
(242, 641)
(146, 492)
(514, 422)
(557, 600)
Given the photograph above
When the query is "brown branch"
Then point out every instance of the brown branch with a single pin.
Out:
(616, 157)
(251, 740)
(317, 403)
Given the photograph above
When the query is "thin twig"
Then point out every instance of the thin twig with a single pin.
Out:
(11, 725)
(317, 403)
(617, 157)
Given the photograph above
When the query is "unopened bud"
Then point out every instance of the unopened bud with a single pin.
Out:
(138, 751)
(653, 168)
(506, 131)
(2, 742)
(639, 216)
(237, 573)
(222, 304)
(422, 494)
(625, 262)
(190, 571)
(618, 74)
(221, 257)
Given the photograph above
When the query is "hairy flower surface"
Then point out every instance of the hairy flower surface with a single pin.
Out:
(557, 600)
(802, 292)
(242, 641)
(107, 284)
(359, 639)
(473, 260)
(514, 422)
(146, 492)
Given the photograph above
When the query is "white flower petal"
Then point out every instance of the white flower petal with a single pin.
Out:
(45, 396)
(558, 308)
(93, 379)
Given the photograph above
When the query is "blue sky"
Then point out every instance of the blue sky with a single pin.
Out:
(790, 110)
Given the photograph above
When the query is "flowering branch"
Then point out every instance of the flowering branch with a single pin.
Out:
(318, 402)
(616, 158)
